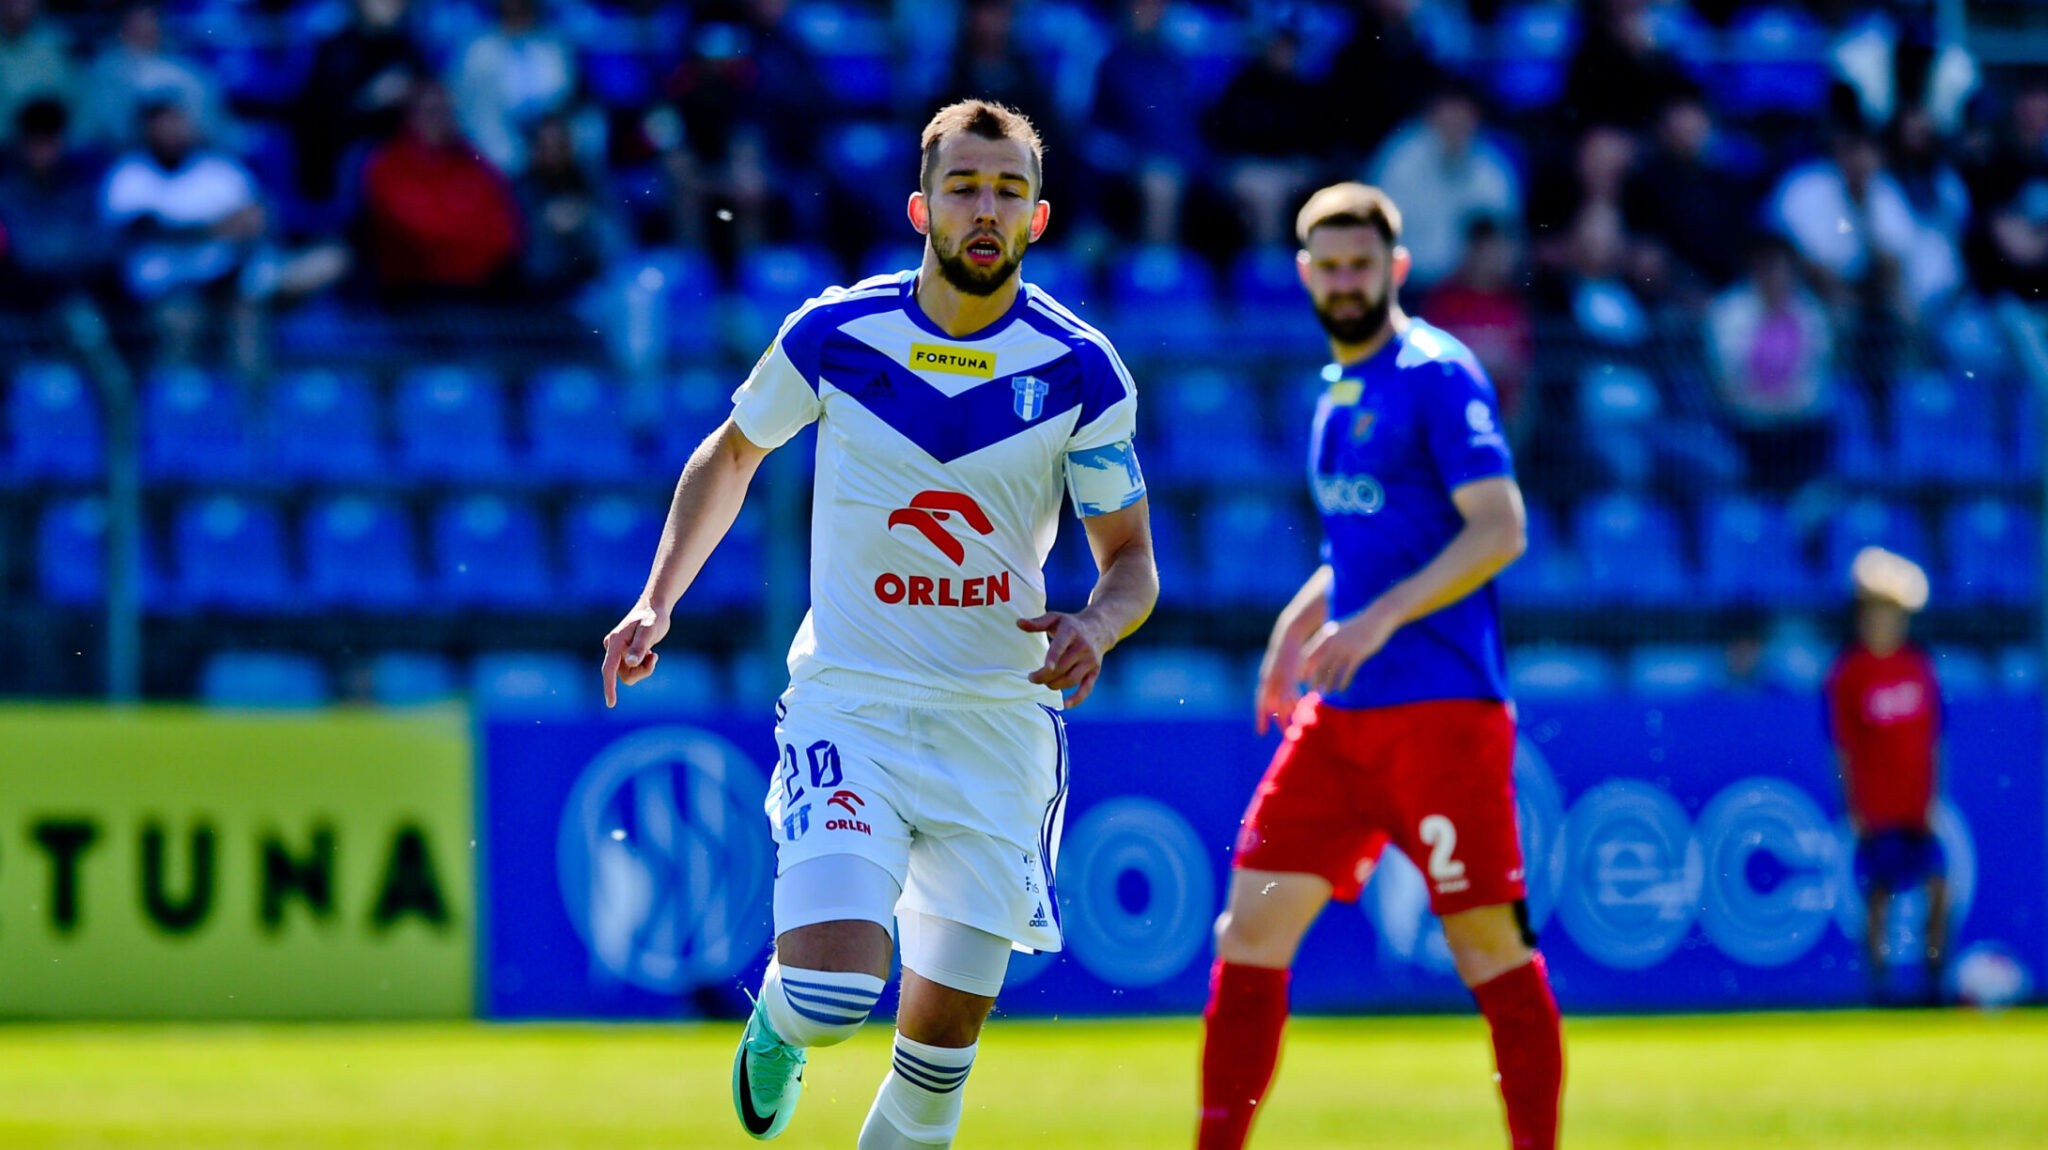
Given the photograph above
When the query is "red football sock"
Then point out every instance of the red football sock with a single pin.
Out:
(1528, 1050)
(1240, 1046)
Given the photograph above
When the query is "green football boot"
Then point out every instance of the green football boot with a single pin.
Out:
(767, 1078)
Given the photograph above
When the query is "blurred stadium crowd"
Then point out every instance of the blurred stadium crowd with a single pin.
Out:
(428, 301)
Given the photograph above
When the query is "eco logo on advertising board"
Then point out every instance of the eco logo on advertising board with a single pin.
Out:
(160, 863)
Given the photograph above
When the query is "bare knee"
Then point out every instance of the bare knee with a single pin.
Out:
(850, 945)
(939, 1015)
(1486, 942)
(1267, 916)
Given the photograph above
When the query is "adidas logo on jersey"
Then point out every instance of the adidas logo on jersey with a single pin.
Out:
(953, 360)
(1038, 918)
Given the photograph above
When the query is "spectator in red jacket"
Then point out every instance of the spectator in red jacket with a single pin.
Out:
(1884, 712)
(442, 223)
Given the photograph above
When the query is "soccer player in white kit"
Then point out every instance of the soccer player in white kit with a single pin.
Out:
(923, 757)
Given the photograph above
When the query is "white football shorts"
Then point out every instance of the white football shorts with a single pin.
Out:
(962, 805)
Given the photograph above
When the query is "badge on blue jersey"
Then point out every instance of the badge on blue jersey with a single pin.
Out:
(1031, 392)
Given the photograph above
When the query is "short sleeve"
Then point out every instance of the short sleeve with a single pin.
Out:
(1463, 420)
(1102, 460)
(779, 397)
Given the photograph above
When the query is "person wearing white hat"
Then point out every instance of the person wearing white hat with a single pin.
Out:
(1884, 712)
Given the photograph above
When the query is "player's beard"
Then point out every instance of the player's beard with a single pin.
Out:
(973, 280)
(1372, 314)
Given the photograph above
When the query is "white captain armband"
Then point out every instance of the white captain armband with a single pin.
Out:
(1104, 479)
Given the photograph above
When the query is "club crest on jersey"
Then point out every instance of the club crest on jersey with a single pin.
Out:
(1031, 392)
(953, 360)
(1361, 425)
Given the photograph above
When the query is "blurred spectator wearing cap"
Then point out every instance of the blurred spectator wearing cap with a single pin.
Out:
(506, 79)
(1380, 77)
(1483, 305)
(1444, 173)
(1145, 133)
(355, 91)
(135, 70)
(573, 232)
(49, 210)
(1772, 353)
(1884, 717)
(2008, 241)
(1619, 75)
(1679, 198)
(191, 225)
(440, 220)
(1266, 120)
(33, 60)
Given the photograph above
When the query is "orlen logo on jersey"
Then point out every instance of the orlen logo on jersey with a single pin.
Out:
(852, 804)
(1349, 494)
(928, 513)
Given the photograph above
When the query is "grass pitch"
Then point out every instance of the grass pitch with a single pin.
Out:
(1840, 1081)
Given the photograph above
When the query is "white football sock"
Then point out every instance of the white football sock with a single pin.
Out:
(918, 1107)
(817, 1007)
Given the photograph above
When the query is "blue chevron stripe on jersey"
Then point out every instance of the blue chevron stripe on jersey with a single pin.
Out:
(945, 427)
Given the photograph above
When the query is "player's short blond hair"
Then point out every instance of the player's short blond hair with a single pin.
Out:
(1352, 205)
(1888, 577)
(984, 118)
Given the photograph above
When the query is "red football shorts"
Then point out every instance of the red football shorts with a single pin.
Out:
(1436, 778)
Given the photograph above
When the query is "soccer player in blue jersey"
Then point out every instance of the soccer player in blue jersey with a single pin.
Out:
(923, 765)
(1407, 735)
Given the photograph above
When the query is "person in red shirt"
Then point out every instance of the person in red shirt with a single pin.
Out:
(1884, 715)
(442, 223)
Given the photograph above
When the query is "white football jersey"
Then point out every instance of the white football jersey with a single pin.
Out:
(940, 466)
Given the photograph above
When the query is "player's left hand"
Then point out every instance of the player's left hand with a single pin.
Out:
(1073, 658)
(1338, 650)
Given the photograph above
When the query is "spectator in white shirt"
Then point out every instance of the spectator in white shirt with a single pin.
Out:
(1856, 230)
(1444, 174)
(507, 79)
(136, 70)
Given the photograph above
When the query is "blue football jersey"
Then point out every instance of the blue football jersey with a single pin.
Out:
(1394, 436)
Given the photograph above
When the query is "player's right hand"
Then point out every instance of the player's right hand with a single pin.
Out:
(629, 654)
(1279, 689)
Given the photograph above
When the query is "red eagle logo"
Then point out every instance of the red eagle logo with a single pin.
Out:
(931, 508)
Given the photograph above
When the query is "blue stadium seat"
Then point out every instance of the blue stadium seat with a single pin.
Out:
(1963, 672)
(1556, 671)
(71, 555)
(1777, 63)
(685, 285)
(263, 679)
(1548, 574)
(683, 683)
(410, 678)
(1070, 570)
(55, 420)
(1871, 522)
(489, 552)
(1751, 553)
(1213, 43)
(2025, 438)
(193, 427)
(1795, 663)
(1184, 571)
(360, 554)
(623, 79)
(694, 402)
(872, 160)
(1947, 430)
(736, 575)
(1669, 670)
(1166, 301)
(1209, 430)
(1270, 307)
(1180, 682)
(2019, 670)
(576, 425)
(777, 280)
(534, 685)
(1532, 45)
(1062, 275)
(609, 542)
(1859, 454)
(1260, 551)
(1630, 547)
(323, 427)
(851, 46)
(451, 425)
(893, 257)
(230, 556)
(1994, 551)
